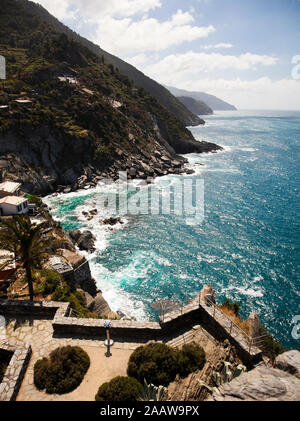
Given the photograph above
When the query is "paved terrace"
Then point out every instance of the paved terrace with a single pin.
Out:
(44, 326)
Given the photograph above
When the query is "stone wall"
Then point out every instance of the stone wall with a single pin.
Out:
(83, 277)
(30, 308)
(15, 371)
(196, 312)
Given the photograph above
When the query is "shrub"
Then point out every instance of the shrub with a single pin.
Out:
(191, 357)
(232, 306)
(156, 362)
(34, 199)
(63, 371)
(119, 389)
(270, 347)
(51, 282)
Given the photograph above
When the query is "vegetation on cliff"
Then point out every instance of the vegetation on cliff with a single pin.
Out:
(196, 106)
(65, 103)
(26, 239)
(162, 95)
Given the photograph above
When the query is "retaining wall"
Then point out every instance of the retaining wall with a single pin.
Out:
(15, 371)
(193, 313)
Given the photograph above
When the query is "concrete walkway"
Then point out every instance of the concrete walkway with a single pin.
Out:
(39, 333)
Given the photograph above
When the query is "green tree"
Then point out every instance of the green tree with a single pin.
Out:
(27, 241)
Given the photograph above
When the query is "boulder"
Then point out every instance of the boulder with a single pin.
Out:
(260, 384)
(132, 172)
(85, 240)
(99, 305)
(111, 221)
(88, 299)
(290, 362)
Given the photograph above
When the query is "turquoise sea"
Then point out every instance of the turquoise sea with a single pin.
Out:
(247, 246)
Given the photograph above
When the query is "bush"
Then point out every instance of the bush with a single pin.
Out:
(119, 389)
(156, 362)
(270, 347)
(34, 199)
(232, 306)
(63, 371)
(51, 282)
(191, 357)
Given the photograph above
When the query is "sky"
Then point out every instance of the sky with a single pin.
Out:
(246, 52)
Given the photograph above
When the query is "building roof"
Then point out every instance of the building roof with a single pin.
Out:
(60, 264)
(7, 257)
(9, 186)
(23, 101)
(13, 200)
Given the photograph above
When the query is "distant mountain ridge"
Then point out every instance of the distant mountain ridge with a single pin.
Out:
(155, 89)
(195, 106)
(216, 104)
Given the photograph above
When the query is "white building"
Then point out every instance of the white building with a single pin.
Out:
(9, 188)
(13, 205)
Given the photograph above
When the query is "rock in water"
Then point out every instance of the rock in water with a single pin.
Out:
(85, 240)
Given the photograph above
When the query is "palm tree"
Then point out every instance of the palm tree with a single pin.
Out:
(27, 241)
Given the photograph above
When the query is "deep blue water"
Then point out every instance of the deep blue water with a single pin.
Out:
(247, 247)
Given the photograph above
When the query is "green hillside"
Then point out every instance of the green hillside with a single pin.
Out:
(195, 106)
(70, 114)
(140, 79)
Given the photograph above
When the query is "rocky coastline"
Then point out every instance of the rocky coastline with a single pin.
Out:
(49, 169)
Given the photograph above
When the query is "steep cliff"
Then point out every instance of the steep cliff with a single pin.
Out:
(140, 79)
(196, 106)
(71, 116)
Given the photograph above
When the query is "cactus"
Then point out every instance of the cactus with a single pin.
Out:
(227, 377)
(151, 392)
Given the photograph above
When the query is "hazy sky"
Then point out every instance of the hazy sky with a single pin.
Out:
(239, 50)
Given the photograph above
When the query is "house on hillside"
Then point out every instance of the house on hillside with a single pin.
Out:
(9, 188)
(7, 264)
(71, 79)
(13, 205)
(22, 101)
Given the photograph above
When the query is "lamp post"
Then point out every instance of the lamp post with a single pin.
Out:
(108, 342)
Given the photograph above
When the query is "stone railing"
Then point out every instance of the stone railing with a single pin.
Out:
(15, 371)
(196, 312)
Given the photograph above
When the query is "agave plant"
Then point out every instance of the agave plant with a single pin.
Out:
(227, 376)
(151, 392)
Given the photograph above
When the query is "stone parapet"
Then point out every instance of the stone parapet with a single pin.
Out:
(15, 371)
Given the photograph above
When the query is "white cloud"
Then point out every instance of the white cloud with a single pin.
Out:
(98, 9)
(126, 37)
(59, 8)
(262, 93)
(187, 66)
(220, 45)
(124, 28)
